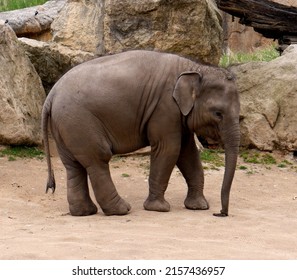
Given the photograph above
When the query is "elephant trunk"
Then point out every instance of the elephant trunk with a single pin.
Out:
(231, 139)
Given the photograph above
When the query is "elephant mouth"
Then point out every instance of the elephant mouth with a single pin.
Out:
(210, 142)
(210, 138)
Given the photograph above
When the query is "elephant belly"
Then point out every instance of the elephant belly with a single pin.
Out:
(82, 132)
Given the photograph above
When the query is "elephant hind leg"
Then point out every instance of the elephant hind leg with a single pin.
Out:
(105, 191)
(80, 202)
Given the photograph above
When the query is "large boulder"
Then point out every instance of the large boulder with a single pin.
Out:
(52, 60)
(188, 27)
(268, 92)
(79, 26)
(21, 93)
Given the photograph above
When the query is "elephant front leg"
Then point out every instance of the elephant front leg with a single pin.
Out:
(190, 166)
(161, 168)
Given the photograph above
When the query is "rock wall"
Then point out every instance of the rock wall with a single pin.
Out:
(241, 38)
(85, 29)
(188, 27)
(52, 60)
(21, 93)
(79, 26)
(268, 92)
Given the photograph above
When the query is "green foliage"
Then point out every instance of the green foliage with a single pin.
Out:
(214, 158)
(255, 157)
(243, 167)
(8, 5)
(14, 152)
(266, 54)
(251, 156)
(282, 165)
(117, 158)
(268, 159)
(285, 163)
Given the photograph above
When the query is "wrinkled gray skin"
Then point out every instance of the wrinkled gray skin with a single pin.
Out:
(119, 103)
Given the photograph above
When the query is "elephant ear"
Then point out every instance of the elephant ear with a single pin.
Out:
(186, 90)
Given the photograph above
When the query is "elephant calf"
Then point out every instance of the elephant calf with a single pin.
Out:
(120, 103)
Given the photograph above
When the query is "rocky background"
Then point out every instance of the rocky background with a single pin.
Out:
(39, 44)
(268, 92)
(242, 38)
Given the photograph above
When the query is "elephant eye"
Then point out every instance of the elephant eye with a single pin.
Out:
(218, 115)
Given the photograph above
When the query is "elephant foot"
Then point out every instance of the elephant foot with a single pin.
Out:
(120, 208)
(196, 203)
(83, 209)
(160, 205)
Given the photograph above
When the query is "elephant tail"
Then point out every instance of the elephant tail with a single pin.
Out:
(51, 184)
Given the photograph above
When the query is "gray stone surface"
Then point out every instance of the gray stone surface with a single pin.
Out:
(21, 93)
(268, 92)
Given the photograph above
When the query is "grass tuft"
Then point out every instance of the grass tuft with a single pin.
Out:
(8, 5)
(266, 54)
(250, 156)
(14, 152)
(214, 158)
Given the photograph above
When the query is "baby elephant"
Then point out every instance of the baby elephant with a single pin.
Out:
(120, 103)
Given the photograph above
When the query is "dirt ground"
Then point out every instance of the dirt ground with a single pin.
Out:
(262, 222)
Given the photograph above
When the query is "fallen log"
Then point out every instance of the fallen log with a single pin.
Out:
(33, 20)
(271, 19)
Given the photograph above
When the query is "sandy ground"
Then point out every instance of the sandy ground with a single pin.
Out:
(262, 222)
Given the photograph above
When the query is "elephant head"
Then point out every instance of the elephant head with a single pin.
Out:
(210, 104)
